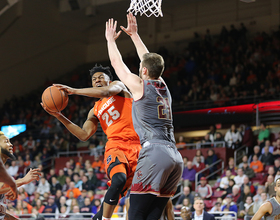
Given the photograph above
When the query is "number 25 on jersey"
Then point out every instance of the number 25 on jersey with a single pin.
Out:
(110, 116)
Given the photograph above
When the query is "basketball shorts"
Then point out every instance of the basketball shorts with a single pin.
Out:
(121, 152)
(159, 169)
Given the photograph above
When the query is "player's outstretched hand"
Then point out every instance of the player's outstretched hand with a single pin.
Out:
(131, 25)
(33, 174)
(55, 114)
(110, 32)
(66, 89)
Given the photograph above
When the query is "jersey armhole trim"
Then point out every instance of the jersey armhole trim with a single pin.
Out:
(143, 95)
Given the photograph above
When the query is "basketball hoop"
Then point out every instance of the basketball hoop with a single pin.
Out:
(147, 7)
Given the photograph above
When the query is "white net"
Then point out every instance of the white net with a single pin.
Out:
(147, 7)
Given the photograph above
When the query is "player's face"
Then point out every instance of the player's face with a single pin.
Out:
(185, 214)
(6, 147)
(277, 188)
(100, 79)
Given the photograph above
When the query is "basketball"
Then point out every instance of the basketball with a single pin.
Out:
(54, 99)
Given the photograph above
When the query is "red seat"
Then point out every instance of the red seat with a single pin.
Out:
(102, 187)
(98, 196)
(217, 194)
(208, 204)
(100, 176)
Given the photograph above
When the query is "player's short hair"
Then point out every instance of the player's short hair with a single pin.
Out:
(277, 179)
(154, 63)
(1, 133)
(101, 69)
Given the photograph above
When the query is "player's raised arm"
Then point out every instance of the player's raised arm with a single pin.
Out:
(264, 209)
(98, 92)
(133, 82)
(33, 174)
(132, 31)
(84, 133)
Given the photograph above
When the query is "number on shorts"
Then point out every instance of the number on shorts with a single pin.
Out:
(113, 113)
(164, 110)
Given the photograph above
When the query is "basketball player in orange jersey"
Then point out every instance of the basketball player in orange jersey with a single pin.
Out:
(113, 111)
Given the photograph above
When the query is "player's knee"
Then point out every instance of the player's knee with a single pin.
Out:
(117, 185)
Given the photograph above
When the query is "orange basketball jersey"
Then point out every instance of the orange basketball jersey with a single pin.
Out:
(114, 114)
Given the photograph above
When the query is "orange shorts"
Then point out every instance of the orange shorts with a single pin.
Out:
(121, 156)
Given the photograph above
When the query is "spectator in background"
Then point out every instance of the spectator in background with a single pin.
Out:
(204, 189)
(97, 164)
(231, 166)
(256, 165)
(50, 207)
(257, 151)
(247, 209)
(212, 133)
(263, 134)
(73, 189)
(270, 147)
(186, 194)
(259, 202)
(257, 197)
(93, 181)
(224, 183)
(96, 206)
(198, 166)
(233, 137)
(66, 186)
(248, 171)
(230, 204)
(78, 182)
(30, 187)
(248, 137)
(55, 185)
(216, 208)
(198, 153)
(76, 213)
(43, 186)
(188, 174)
(62, 203)
(50, 175)
(63, 214)
(248, 183)
(86, 208)
(211, 159)
(206, 142)
(269, 186)
(243, 196)
(239, 179)
(228, 190)
(181, 144)
(86, 184)
(266, 158)
(13, 169)
(276, 150)
(244, 160)
(276, 166)
(81, 198)
(219, 138)
(61, 177)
